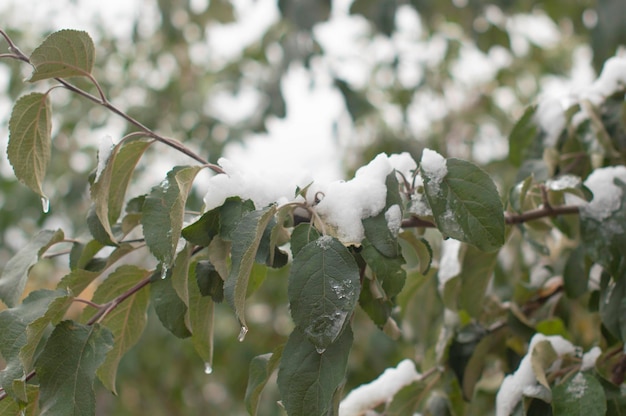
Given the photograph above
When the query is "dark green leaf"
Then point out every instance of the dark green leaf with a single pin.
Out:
(126, 322)
(163, 212)
(81, 254)
(406, 401)
(462, 350)
(15, 273)
(466, 205)
(612, 305)
(29, 145)
(323, 290)
(374, 303)
(378, 233)
(302, 235)
(97, 230)
(581, 395)
(209, 281)
(422, 250)
(261, 369)
(231, 212)
(67, 368)
(109, 189)
(204, 229)
(388, 271)
(168, 306)
(21, 329)
(307, 380)
(576, 273)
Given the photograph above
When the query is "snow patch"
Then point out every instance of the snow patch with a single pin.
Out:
(524, 383)
(434, 168)
(449, 265)
(394, 219)
(607, 196)
(589, 358)
(578, 386)
(104, 153)
(381, 390)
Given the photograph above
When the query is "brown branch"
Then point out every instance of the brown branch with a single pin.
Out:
(541, 212)
(17, 54)
(103, 311)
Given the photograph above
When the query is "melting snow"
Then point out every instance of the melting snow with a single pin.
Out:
(524, 383)
(577, 386)
(104, 153)
(449, 265)
(381, 390)
(607, 196)
(434, 167)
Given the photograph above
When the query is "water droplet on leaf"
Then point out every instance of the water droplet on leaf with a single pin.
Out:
(163, 272)
(242, 333)
(208, 369)
(45, 204)
(320, 350)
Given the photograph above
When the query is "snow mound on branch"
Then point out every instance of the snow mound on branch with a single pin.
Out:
(342, 206)
(524, 382)
(262, 186)
(368, 396)
(607, 196)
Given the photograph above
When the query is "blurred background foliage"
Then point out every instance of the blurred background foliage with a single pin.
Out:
(451, 75)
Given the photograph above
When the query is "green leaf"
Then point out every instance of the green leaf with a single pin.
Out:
(163, 212)
(21, 329)
(15, 273)
(209, 281)
(541, 359)
(261, 369)
(522, 136)
(308, 380)
(97, 230)
(168, 306)
(379, 234)
(466, 205)
(78, 279)
(422, 249)
(575, 273)
(388, 271)
(581, 395)
(302, 235)
(66, 53)
(109, 189)
(231, 213)
(612, 305)
(67, 368)
(323, 290)
(126, 322)
(81, 254)
(406, 401)
(377, 307)
(246, 238)
(29, 145)
(180, 273)
(201, 314)
(476, 271)
(204, 229)
(10, 407)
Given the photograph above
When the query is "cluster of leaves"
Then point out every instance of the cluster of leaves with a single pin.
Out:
(224, 254)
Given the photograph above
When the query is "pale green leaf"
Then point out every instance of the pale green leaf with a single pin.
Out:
(163, 212)
(180, 273)
(323, 290)
(29, 145)
(15, 273)
(201, 315)
(580, 395)
(78, 279)
(10, 407)
(541, 359)
(67, 368)
(261, 369)
(63, 54)
(476, 271)
(522, 136)
(466, 205)
(246, 238)
(126, 322)
(19, 336)
(308, 380)
(109, 189)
